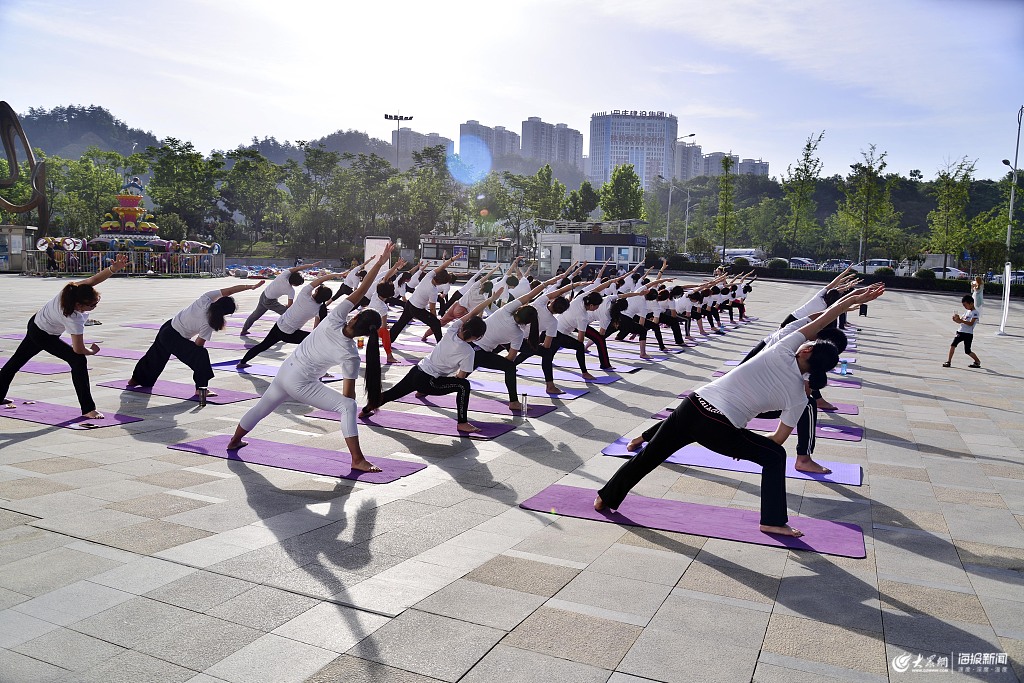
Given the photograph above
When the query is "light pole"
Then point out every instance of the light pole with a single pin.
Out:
(686, 225)
(1009, 227)
(668, 214)
(397, 118)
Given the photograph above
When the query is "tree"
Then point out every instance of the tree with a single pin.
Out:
(251, 189)
(948, 222)
(799, 184)
(866, 197)
(184, 182)
(310, 185)
(546, 195)
(724, 219)
(623, 196)
(581, 203)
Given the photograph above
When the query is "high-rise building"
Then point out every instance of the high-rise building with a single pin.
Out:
(549, 143)
(568, 144)
(409, 141)
(499, 141)
(477, 130)
(689, 161)
(645, 139)
(713, 163)
(506, 142)
(752, 167)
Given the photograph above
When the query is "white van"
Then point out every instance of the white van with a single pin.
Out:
(873, 264)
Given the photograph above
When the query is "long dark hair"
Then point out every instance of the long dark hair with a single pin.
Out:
(527, 315)
(824, 356)
(367, 324)
(617, 307)
(74, 294)
(219, 310)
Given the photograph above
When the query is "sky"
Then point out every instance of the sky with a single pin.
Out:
(927, 81)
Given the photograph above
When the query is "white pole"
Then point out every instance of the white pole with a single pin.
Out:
(1009, 229)
(668, 217)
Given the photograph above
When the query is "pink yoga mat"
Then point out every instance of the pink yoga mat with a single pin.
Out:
(426, 424)
(182, 391)
(531, 390)
(35, 367)
(320, 461)
(477, 404)
(695, 455)
(61, 416)
(829, 538)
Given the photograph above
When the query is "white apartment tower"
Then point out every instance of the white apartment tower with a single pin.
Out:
(645, 139)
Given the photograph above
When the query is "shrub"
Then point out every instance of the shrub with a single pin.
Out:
(777, 264)
(741, 262)
(925, 273)
(885, 271)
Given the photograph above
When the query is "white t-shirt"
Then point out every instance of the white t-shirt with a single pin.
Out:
(302, 310)
(352, 279)
(425, 292)
(51, 319)
(575, 318)
(682, 305)
(521, 289)
(968, 316)
(771, 380)
(280, 287)
(816, 304)
(327, 346)
(636, 306)
(547, 323)
(774, 338)
(603, 315)
(473, 297)
(502, 328)
(450, 355)
(193, 321)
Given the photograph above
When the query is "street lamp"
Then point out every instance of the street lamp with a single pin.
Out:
(397, 118)
(1009, 228)
(668, 214)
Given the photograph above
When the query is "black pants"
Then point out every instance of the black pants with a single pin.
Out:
(273, 337)
(753, 352)
(495, 361)
(697, 421)
(421, 314)
(547, 357)
(743, 309)
(602, 346)
(265, 304)
(806, 426)
(169, 343)
(423, 383)
(789, 319)
(673, 322)
(35, 341)
(728, 307)
(966, 337)
(443, 303)
(564, 341)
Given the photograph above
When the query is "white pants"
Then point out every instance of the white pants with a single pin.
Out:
(292, 384)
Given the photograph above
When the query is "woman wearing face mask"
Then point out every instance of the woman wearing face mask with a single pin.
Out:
(66, 312)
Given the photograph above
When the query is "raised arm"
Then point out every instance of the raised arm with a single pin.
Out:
(854, 298)
(532, 294)
(228, 291)
(119, 263)
(482, 306)
(450, 260)
(371, 275)
(307, 266)
(324, 278)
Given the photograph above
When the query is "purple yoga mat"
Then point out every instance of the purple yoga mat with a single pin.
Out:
(567, 362)
(829, 538)
(61, 416)
(837, 432)
(842, 409)
(127, 354)
(559, 375)
(182, 391)
(622, 355)
(320, 461)
(424, 348)
(259, 370)
(426, 424)
(531, 390)
(209, 344)
(21, 335)
(695, 455)
(846, 383)
(477, 404)
(228, 346)
(34, 367)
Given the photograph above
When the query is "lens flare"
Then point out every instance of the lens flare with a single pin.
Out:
(473, 162)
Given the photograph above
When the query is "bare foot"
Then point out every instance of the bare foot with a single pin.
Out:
(804, 463)
(241, 365)
(467, 427)
(367, 411)
(645, 356)
(243, 333)
(235, 445)
(420, 394)
(610, 368)
(825, 405)
(391, 360)
(93, 415)
(784, 530)
(587, 376)
(131, 383)
(515, 405)
(598, 503)
(635, 443)
(364, 465)
(552, 389)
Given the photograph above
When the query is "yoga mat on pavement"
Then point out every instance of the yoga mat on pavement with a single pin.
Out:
(259, 370)
(477, 404)
(829, 538)
(531, 390)
(424, 348)
(21, 335)
(426, 424)
(558, 375)
(846, 383)
(60, 416)
(837, 432)
(570, 362)
(842, 409)
(695, 455)
(127, 354)
(182, 391)
(228, 346)
(35, 367)
(320, 461)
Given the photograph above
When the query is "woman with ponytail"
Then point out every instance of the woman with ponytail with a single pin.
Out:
(716, 414)
(331, 343)
(66, 312)
(200, 320)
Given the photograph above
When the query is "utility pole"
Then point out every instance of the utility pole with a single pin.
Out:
(397, 118)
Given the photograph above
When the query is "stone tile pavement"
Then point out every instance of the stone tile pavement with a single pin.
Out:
(121, 560)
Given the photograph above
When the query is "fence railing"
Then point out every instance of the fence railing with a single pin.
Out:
(140, 263)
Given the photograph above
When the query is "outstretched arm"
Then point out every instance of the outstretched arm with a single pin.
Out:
(299, 269)
(482, 306)
(119, 263)
(854, 298)
(228, 291)
(371, 275)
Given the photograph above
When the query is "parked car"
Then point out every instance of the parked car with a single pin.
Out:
(948, 272)
(836, 264)
(802, 262)
(872, 264)
(1016, 278)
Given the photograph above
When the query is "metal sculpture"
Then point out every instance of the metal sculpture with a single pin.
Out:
(10, 127)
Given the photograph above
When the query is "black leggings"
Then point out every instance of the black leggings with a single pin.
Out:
(789, 319)
(273, 337)
(743, 309)
(695, 420)
(495, 361)
(35, 341)
(673, 322)
(421, 314)
(728, 307)
(547, 357)
(564, 341)
(424, 383)
(169, 343)
(636, 325)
